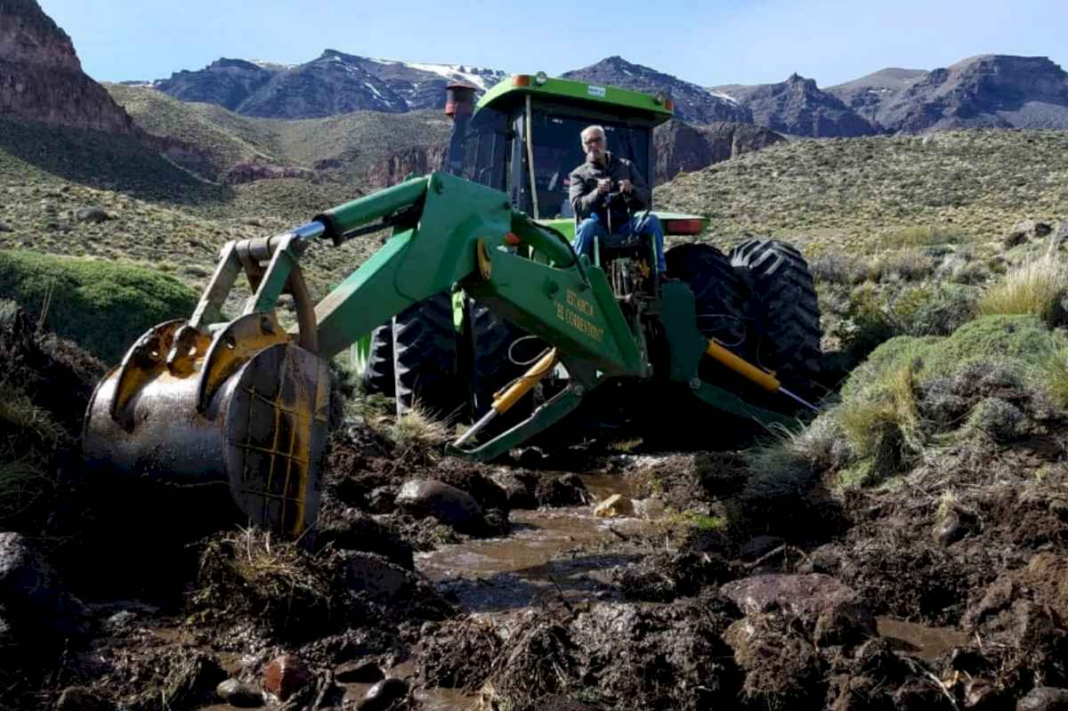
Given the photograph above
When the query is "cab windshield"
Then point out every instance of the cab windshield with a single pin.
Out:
(558, 151)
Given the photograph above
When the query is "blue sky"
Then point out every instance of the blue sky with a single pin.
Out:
(709, 43)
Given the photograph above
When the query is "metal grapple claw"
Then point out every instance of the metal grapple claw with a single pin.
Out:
(247, 407)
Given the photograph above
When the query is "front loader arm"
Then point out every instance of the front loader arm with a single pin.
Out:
(465, 233)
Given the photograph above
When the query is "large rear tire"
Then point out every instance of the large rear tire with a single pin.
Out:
(784, 312)
(377, 376)
(425, 362)
(719, 294)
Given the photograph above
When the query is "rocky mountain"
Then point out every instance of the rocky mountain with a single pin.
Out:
(798, 107)
(41, 77)
(867, 94)
(988, 91)
(333, 83)
(224, 82)
(692, 102)
(683, 147)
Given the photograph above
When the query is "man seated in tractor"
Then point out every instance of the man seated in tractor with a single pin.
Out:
(603, 192)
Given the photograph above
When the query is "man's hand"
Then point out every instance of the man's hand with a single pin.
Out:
(603, 186)
(625, 185)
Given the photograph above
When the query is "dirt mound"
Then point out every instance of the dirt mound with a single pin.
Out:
(296, 596)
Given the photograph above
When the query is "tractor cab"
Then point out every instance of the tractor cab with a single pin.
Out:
(522, 138)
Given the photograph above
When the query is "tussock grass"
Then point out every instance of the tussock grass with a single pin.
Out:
(886, 422)
(1037, 287)
(787, 463)
(417, 429)
(1057, 379)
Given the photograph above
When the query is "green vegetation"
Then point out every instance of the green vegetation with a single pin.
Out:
(862, 195)
(103, 307)
(1039, 287)
(351, 143)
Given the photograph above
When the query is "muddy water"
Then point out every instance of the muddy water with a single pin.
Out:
(918, 640)
(550, 554)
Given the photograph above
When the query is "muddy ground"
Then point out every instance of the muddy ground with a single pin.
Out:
(513, 595)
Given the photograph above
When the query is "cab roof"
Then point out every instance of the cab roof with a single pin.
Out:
(658, 108)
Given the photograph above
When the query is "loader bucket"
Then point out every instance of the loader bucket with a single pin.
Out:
(246, 408)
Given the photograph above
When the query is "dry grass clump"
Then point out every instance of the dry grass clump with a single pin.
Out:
(1037, 287)
(418, 429)
(1057, 379)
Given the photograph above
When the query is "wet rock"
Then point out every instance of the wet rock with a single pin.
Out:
(758, 546)
(240, 695)
(374, 574)
(447, 504)
(286, 676)
(614, 506)
(1044, 698)
(806, 597)
(384, 695)
(80, 698)
(91, 214)
(517, 492)
(565, 490)
(359, 673)
(31, 595)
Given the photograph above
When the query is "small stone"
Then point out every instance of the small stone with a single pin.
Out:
(237, 694)
(91, 214)
(5, 228)
(614, 506)
(359, 673)
(1044, 698)
(948, 530)
(79, 698)
(285, 676)
(384, 694)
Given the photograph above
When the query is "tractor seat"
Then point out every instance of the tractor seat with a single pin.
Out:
(620, 242)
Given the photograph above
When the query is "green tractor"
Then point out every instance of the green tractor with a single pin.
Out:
(452, 353)
(478, 308)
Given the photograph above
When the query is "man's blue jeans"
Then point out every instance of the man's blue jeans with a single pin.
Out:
(591, 228)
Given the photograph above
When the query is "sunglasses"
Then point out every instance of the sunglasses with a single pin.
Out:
(591, 141)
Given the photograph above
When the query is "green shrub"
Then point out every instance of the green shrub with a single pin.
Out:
(102, 306)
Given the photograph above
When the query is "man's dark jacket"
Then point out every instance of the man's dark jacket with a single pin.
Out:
(585, 200)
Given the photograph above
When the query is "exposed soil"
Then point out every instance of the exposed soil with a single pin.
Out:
(703, 598)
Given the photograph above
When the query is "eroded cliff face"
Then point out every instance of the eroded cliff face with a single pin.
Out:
(681, 147)
(41, 78)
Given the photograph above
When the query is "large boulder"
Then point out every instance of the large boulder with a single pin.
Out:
(449, 505)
